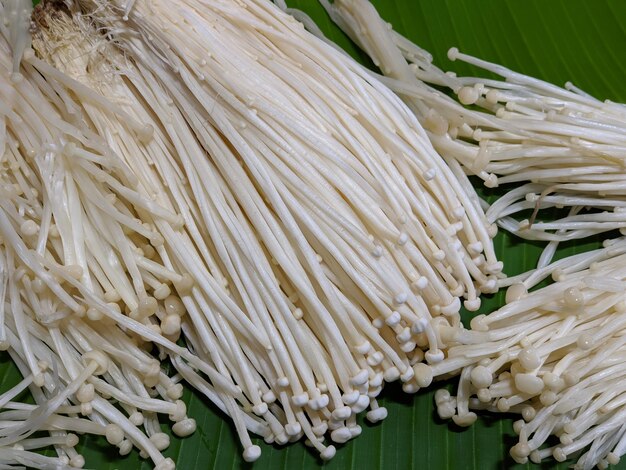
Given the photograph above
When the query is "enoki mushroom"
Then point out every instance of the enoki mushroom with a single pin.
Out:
(294, 227)
(555, 356)
(519, 130)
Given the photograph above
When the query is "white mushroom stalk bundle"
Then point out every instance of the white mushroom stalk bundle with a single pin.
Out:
(85, 384)
(563, 147)
(173, 170)
(332, 122)
(360, 238)
(556, 357)
(77, 314)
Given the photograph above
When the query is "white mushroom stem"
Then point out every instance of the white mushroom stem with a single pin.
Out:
(15, 15)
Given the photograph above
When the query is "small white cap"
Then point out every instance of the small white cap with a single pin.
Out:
(374, 416)
(328, 453)
(184, 427)
(341, 435)
(252, 453)
(341, 413)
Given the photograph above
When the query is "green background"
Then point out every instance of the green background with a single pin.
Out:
(556, 40)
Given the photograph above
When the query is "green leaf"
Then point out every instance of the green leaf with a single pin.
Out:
(556, 40)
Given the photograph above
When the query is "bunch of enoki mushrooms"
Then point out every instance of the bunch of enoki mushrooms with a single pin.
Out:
(210, 195)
